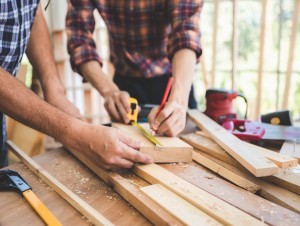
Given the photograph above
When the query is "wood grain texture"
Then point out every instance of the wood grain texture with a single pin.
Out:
(225, 173)
(257, 164)
(185, 212)
(259, 207)
(203, 142)
(173, 150)
(270, 191)
(215, 207)
(284, 178)
(130, 193)
(79, 204)
(291, 149)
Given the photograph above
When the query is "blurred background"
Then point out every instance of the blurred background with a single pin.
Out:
(252, 46)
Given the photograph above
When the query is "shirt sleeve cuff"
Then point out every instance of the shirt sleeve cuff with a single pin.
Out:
(82, 55)
(184, 40)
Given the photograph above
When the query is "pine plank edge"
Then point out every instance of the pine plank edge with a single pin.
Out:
(130, 193)
(215, 207)
(284, 178)
(185, 212)
(258, 165)
(225, 173)
(281, 160)
(173, 149)
(79, 204)
(269, 191)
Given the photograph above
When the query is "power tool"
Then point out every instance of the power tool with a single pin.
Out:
(219, 104)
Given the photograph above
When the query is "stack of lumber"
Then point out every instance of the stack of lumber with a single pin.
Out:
(189, 194)
(221, 152)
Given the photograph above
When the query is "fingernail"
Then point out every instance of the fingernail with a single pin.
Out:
(155, 126)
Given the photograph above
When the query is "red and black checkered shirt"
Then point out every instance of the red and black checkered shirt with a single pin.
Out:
(143, 35)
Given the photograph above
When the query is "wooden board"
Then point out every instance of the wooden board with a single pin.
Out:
(257, 164)
(185, 212)
(223, 172)
(130, 192)
(284, 178)
(267, 190)
(255, 205)
(291, 149)
(173, 150)
(287, 179)
(203, 142)
(84, 183)
(215, 207)
(79, 204)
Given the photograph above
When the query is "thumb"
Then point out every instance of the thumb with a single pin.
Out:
(152, 115)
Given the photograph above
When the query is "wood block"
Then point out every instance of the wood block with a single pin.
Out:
(185, 212)
(173, 150)
(257, 164)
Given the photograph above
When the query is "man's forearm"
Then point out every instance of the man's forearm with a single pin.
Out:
(93, 73)
(183, 66)
(39, 52)
(23, 105)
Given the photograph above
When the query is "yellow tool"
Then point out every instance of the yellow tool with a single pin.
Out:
(133, 114)
(12, 181)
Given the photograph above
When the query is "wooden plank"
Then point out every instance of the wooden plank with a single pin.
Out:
(203, 142)
(291, 149)
(258, 165)
(79, 204)
(287, 179)
(248, 202)
(130, 193)
(185, 212)
(261, 56)
(208, 146)
(174, 149)
(227, 174)
(288, 78)
(215, 207)
(290, 182)
(270, 191)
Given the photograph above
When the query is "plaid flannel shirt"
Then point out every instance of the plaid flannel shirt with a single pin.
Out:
(143, 35)
(16, 18)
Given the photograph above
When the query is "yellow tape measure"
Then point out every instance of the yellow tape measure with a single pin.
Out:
(133, 121)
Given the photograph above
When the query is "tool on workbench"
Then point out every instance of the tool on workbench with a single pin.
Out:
(133, 114)
(12, 181)
(278, 118)
(219, 104)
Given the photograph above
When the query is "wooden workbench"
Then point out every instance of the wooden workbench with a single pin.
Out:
(14, 210)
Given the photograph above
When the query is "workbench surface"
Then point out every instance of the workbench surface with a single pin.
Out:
(14, 210)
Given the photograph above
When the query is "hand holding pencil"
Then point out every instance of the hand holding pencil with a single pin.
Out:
(168, 118)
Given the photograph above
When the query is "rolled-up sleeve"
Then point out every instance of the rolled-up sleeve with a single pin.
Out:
(185, 31)
(80, 25)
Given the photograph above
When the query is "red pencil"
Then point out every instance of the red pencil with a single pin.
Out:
(165, 96)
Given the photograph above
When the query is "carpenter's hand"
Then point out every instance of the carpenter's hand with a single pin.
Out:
(60, 101)
(109, 148)
(117, 106)
(170, 121)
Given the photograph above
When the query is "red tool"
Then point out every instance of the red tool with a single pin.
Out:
(244, 129)
(219, 104)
